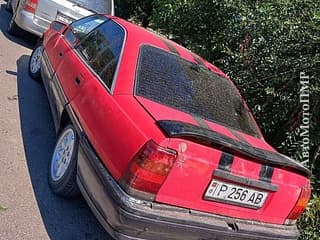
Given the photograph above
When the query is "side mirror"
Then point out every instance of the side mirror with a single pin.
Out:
(58, 26)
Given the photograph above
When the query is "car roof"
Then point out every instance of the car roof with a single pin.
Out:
(137, 36)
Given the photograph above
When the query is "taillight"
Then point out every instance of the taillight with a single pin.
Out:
(148, 170)
(31, 5)
(300, 205)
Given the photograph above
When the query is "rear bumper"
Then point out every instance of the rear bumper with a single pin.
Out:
(127, 218)
(31, 23)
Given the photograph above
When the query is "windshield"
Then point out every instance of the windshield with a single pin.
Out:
(170, 80)
(98, 6)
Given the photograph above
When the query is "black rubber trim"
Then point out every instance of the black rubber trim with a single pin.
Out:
(225, 162)
(198, 60)
(200, 121)
(169, 45)
(75, 120)
(58, 87)
(245, 181)
(56, 97)
(239, 137)
(266, 173)
(177, 129)
(46, 61)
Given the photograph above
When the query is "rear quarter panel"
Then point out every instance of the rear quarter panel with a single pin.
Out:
(115, 125)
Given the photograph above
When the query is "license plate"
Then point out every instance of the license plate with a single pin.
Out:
(235, 194)
(63, 18)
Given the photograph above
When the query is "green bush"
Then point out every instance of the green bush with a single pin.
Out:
(309, 223)
(263, 46)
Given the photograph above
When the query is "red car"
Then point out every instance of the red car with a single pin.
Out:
(158, 140)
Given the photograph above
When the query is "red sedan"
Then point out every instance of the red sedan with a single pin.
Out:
(159, 141)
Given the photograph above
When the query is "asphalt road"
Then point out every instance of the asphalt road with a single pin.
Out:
(28, 208)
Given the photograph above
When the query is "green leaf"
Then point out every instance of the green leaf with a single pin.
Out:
(3, 208)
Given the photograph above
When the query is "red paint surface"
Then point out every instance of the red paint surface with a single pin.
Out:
(119, 124)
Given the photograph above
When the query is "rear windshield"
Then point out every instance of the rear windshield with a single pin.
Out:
(98, 6)
(170, 80)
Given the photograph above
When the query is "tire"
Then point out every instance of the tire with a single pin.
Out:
(9, 6)
(63, 165)
(13, 28)
(34, 65)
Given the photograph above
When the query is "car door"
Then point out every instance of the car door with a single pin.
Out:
(69, 72)
(95, 106)
(67, 67)
(54, 49)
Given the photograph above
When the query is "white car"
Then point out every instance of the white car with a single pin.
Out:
(35, 16)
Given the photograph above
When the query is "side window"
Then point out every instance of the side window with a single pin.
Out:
(101, 50)
(79, 29)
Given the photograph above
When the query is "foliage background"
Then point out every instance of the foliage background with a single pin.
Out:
(263, 46)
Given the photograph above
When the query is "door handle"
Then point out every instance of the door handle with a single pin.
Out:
(77, 80)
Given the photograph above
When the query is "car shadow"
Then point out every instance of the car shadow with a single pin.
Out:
(27, 40)
(63, 219)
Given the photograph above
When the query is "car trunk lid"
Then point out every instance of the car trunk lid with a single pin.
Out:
(210, 154)
(213, 180)
(68, 11)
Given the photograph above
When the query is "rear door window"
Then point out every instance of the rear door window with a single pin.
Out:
(78, 30)
(170, 80)
(101, 49)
